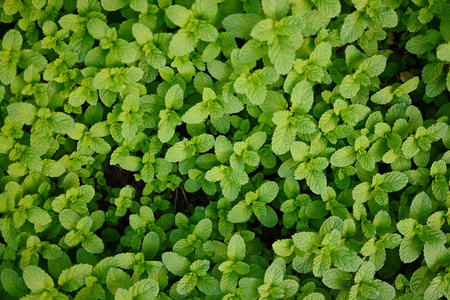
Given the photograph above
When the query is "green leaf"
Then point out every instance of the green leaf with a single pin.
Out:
(330, 8)
(436, 131)
(12, 41)
(421, 280)
(38, 216)
(174, 97)
(269, 219)
(315, 296)
(373, 66)
(383, 96)
(407, 226)
(142, 33)
(204, 9)
(209, 285)
(284, 134)
(24, 113)
(93, 243)
(97, 28)
(317, 182)
(267, 192)
(228, 282)
(139, 5)
(61, 123)
(236, 248)
(68, 219)
(349, 87)
(290, 287)
(344, 157)
(251, 51)
(113, 5)
(448, 81)
(117, 279)
(187, 284)
(223, 148)
(365, 273)
(240, 25)
(53, 168)
(240, 213)
(408, 86)
(421, 44)
(150, 245)
(203, 229)
(435, 255)
(274, 275)
(166, 127)
(385, 290)
(345, 259)
(175, 263)
(355, 113)
(219, 70)
(179, 15)
(282, 54)
(182, 43)
(410, 147)
(177, 152)
(206, 32)
(421, 207)
(322, 262)
(257, 140)
(432, 236)
(394, 181)
(31, 159)
(254, 89)
(196, 114)
(353, 27)
(283, 247)
(410, 249)
(386, 17)
(123, 294)
(302, 97)
(438, 287)
(36, 279)
(132, 74)
(264, 31)
(269, 75)
(306, 241)
(337, 279)
(275, 9)
(13, 283)
(73, 278)
(8, 71)
(144, 289)
(131, 163)
(100, 146)
(316, 210)
(432, 71)
(440, 189)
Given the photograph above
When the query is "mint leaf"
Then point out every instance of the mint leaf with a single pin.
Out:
(37, 280)
(73, 278)
(353, 27)
(175, 263)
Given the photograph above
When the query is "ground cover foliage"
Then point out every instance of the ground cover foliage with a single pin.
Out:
(224, 149)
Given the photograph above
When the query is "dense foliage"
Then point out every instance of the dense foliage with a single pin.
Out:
(224, 149)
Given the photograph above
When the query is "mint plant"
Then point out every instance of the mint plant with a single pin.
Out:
(224, 149)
